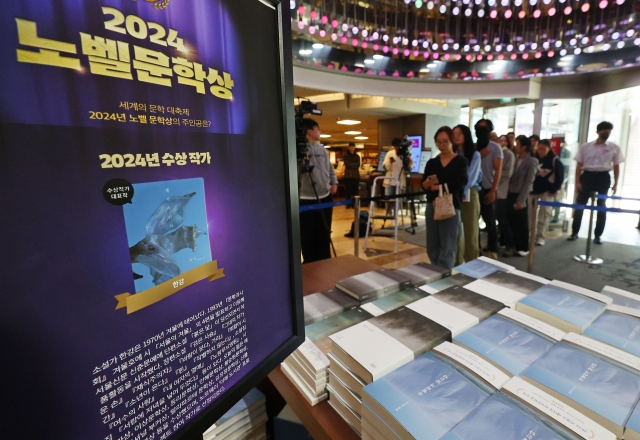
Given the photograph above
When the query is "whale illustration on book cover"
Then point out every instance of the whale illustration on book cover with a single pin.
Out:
(167, 227)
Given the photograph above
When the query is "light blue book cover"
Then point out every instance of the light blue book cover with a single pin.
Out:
(634, 420)
(458, 279)
(251, 398)
(509, 345)
(478, 268)
(569, 306)
(499, 418)
(617, 329)
(427, 396)
(167, 227)
(621, 300)
(590, 381)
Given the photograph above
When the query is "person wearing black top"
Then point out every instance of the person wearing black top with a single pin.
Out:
(450, 169)
(351, 173)
(549, 180)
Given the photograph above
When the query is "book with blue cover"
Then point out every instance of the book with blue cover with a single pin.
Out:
(481, 267)
(632, 430)
(499, 417)
(509, 346)
(617, 329)
(595, 387)
(623, 301)
(425, 398)
(562, 308)
(459, 279)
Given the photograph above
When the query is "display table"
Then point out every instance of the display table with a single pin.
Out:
(321, 420)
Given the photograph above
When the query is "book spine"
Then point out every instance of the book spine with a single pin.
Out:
(533, 323)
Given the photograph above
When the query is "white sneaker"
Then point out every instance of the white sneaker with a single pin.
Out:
(540, 243)
(523, 253)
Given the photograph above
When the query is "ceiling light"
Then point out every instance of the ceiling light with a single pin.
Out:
(577, 51)
(430, 5)
(292, 4)
(377, 57)
(487, 48)
(318, 45)
(305, 51)
(365, 33)
(566, 58)
(361, 138)
(509, 47)
(606, 46)
(636, 41)
(405, 41)
(369, 61)
(325, 136)
(414, 43)
(558, 43)
(425, 70)
(615, 35)
(385, 37)
(551, 12)
(545, 45)
(456, 46)
(434, 46)
(521, 48)
(630, 33)
(418, 4)
(476, 48)
(534, 46)
(481, 13)
(563, 52)
(353, 132)
(620, 44)
(573, 41)
(504, 2)
(507, 13)
(348, 122)
(345, 27)
(455, 10)
(443, 9)
(432, 65)
(563, 64)
(468, 12)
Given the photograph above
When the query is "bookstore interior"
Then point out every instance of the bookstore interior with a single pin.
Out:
(158, 301)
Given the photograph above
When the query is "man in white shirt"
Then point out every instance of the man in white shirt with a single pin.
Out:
(595, 161)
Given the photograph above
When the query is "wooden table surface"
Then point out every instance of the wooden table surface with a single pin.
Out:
(321, 420)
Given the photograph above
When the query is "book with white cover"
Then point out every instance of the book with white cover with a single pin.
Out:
(504, 295)
(317, 386)
(556, 410)
(481, 267)
(302, 386)
(244, 430)
(508, 288)
(623, 301)
(423, 273)
(448, 316)
(322, 305)
(582, 291)
(378, 346)
(531, 276)
(396, 300)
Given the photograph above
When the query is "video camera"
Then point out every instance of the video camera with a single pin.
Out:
(404, 153)
(304, 107)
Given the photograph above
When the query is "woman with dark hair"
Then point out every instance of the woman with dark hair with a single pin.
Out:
(448, 168)
(468, 248)
(520, 185)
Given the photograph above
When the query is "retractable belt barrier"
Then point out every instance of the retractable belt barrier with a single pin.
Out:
(362, 200)
(588, 207)
(605, 196)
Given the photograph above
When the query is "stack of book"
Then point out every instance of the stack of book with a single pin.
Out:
(307, 366)
(371, 285)
(246, 420)
(481, 267)
(623, 301)
(396, 300)
(565, 306)
(507, 287)
(597, 387)
(423, 273)
(325, 304)
(459, 279)
(510, 340)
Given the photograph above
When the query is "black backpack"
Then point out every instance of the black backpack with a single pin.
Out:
(363, 220)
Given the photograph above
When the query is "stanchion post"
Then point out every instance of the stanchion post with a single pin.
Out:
(587, 257)
(532, 232)
(356, 226)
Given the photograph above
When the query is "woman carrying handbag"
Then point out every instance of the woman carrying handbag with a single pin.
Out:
(444, 179)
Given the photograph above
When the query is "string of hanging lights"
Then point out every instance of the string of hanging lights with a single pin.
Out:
(471, 30)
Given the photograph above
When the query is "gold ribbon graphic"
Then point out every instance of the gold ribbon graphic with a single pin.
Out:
(139, 301)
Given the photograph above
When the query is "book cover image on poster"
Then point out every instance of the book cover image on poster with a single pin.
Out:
(167, 230)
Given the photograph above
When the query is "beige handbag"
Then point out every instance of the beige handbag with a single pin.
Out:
(443, 205)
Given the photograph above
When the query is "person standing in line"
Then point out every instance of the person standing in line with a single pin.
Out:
(595, 160)
(491, 167)
(548, 181)
(315, 233)
(535, 140)
(511, 136)
(468, 248)
(524, 173)
(503, 187)
(351, 172)
(451, 169)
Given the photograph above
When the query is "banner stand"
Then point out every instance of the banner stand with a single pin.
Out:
(588, 259)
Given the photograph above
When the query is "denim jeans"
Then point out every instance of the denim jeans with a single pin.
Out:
(442, 238)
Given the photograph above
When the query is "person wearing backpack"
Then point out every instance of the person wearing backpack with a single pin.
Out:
(549, 180)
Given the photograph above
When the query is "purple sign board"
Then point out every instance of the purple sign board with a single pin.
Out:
(150, 255)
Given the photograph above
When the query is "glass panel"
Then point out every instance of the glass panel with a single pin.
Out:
(503, 119)
(524, 119)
